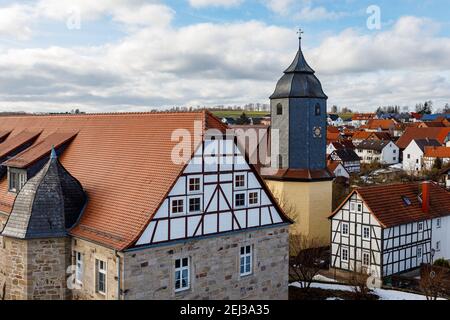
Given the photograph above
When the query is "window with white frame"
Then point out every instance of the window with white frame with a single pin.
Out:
(177, 206)
(16, 179)
(438, 222)
(359, 208)
(239, 200)
(194, 184)
(420, 226)
(253, 198)
(438, 246)
(344, 255)
(100, 276)
(239, 181)
(366, 259)
(366, 233)
(182, 274)
(419, 252)
(352, 206)
(246, 261)
(78, 267)
(345, 228)
(195, 205)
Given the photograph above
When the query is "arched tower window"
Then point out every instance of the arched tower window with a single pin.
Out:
(279, 109)
(318, 110)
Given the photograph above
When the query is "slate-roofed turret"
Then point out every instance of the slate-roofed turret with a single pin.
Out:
(48, 205)
(299, 81)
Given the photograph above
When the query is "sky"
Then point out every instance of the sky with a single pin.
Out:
(137, 55)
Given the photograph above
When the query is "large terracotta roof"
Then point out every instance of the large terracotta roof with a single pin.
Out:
(439, 134)
(123, 162)
(387, 204)
(17, 139)
(381, 123)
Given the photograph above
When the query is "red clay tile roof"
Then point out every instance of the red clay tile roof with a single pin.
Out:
(40, 150)
(17, 139)
(4, 134)
(439, 134)
(380, 123)
(437, 152)
(361, 135)
(122, 160)
(387, 205)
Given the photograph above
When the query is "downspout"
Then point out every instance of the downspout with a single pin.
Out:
(118, 275)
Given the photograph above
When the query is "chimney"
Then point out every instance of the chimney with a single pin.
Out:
(426, 196)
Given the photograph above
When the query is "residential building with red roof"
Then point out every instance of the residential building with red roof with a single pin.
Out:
(431, 154)
(390, 229)
(144, 205)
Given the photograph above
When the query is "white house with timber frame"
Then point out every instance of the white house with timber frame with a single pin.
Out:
(387, 230)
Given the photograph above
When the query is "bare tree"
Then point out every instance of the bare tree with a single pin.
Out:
(308, 256)
(358, 280)
(434, 281)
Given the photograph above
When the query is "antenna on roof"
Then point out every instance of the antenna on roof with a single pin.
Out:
(53, 153)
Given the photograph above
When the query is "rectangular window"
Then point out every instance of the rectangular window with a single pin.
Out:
(366, 259)
(239, 200)
(352, 206)
(239, 181)
(438, 222)
(366, 233)
(409, 156)
(345, 228)
(420, 226)
(16, 179)
(182, 275)
(100, 276)
(438, 246)
(78, 267)
(344, 254)
(360, 208)
(246, 261)
(253, 198)
(419, 252)
(194, 205)
(177, 206)
(194, 184)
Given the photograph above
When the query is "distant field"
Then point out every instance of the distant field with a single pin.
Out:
(237, 113)
(346, 116)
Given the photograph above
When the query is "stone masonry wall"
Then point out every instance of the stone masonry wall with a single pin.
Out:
(90, 252)
(149, 273)
(48, 260)
(13, 261)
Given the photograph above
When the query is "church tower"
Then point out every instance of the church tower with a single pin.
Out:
(298, 138)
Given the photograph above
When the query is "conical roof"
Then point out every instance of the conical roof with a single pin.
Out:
(48, 205)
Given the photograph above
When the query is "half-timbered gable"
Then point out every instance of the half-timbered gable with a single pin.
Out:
(217, 192)
(401, 226)
(356, 240)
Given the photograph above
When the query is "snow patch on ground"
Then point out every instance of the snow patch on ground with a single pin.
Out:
(383, 294)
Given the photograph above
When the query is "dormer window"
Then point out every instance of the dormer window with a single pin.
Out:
(16, 179)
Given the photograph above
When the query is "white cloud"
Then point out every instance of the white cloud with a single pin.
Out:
(235, 63)
(15, 22)
(310, 13)
(303, 10)
(214, 3)
(282, 7)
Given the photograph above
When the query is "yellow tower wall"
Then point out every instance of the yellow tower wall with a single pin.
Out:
(309, 204)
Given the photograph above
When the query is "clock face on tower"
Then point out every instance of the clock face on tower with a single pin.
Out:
(317, 132)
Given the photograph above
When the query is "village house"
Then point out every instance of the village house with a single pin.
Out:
(380, 125)
(343, 144)
(334, 120)
(348, 158)
(414, 133)
(383, 152)
(434, 155)
(338, 169)
(143, 206)
(390, 229)
(360, 119)
(414, 152)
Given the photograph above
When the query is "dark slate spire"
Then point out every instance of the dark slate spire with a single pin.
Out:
(299, 80)
(48, 205)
